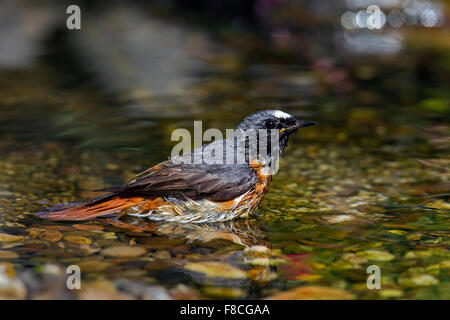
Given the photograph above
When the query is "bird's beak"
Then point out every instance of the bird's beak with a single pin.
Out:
(298, 125)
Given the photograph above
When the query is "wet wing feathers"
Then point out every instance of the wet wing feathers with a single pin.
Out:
(213, 182)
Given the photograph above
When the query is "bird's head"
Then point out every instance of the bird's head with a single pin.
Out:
(275, 119)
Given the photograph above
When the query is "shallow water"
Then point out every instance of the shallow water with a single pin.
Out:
(368, 186)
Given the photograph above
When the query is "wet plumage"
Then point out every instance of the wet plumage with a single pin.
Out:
(190, 192)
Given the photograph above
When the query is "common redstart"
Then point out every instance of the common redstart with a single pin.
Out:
(183, 189)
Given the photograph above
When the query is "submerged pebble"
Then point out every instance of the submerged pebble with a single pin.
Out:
(313, 293)
(224, 292)
(123, 251)
(391, 293)
(11, 287)
(4, 237)
(161, 254)
(419, 280)
(94, 265)
(215, 269)
(78, 239)
(51, 235)
(376, 255)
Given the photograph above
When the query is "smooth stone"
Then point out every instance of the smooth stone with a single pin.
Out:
(34, 232)
(215, 269)
(94, 265)
(161, 254)
(183, 292)
(11, 287)
(376, 255)
(224, 292)
(51, 235)
(101, 290)
(417, 254)
(313, 293)
(4, 237)
(353, 258)
(420, 280)
(123, 251)
(141, 289)
(338, 219)
(390, 293)
(398, 232)
(156, 293)
(78, 239)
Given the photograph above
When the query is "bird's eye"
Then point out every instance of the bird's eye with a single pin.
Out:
(270, 124)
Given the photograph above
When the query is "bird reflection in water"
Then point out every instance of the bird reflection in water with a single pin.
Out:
(242, 232)
(239, 242)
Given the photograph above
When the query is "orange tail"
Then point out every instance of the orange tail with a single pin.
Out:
(100, 207)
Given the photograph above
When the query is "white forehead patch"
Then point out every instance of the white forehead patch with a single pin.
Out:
(281, 115)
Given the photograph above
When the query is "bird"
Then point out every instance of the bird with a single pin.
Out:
(184, 190)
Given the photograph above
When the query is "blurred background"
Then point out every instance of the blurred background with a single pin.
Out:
(84, 109)
(153, 60)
